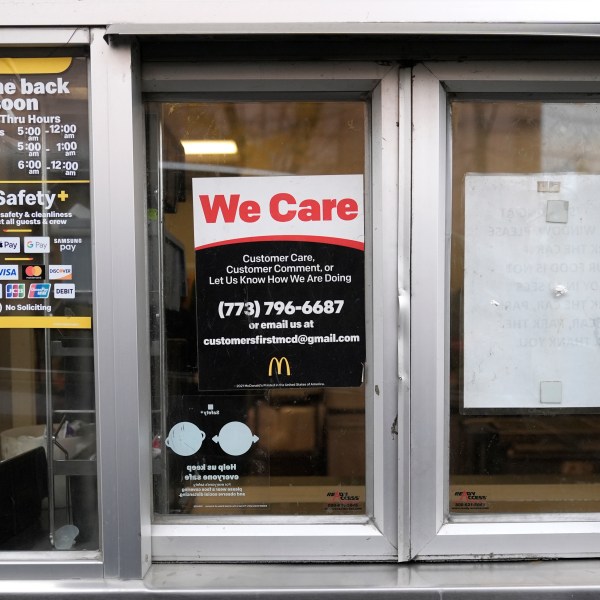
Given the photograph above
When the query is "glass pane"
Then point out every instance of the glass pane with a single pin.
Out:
(48, 495)
(226, 443)
(524, 424)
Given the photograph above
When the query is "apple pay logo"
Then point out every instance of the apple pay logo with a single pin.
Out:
(10, 245)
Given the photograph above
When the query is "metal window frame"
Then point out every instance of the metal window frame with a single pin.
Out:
(122, 339)
(373, 537)
(479, 537)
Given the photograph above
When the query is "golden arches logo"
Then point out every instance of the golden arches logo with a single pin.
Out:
(279, 363)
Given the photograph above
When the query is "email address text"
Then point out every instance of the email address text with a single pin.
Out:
(331, 338)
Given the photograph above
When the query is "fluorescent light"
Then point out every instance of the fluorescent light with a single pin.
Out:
(209, 147)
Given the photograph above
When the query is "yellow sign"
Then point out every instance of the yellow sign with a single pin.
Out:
(45, 322)
(30, 66)
(279, 365)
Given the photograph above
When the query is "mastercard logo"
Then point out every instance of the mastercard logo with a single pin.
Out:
(33, 271)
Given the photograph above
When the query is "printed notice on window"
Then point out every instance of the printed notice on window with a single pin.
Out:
(45, 251)
(217, 455)
(532, 291)
(280, 281)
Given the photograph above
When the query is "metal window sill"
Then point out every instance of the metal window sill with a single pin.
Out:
(523, 580)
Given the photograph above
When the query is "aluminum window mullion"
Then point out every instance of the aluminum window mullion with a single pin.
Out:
(403, 322)
(121, 310)
(428, 422)
(384, 367)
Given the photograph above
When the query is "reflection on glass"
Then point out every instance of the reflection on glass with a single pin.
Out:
(263, 451)
(48, 491)
(518, 460)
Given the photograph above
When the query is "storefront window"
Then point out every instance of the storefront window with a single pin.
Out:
(524, 358)
(256, 240)
(48, 495)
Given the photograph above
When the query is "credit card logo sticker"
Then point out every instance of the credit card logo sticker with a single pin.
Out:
(64, 290)
(37, 244)
(39, 290)
(15, 291)
(10, 245)
(33, 272)
(9, 273)
(60, 272)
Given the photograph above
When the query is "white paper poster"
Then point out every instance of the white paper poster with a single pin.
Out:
(532, 291)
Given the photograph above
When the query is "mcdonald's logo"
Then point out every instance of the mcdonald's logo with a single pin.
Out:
(279, 362)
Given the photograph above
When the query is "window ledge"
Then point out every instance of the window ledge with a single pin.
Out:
(523, 580)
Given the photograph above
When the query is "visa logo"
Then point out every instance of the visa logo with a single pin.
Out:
(10, 245)
(64, 290)
(9, 273)
(39, 290)
(37, 244)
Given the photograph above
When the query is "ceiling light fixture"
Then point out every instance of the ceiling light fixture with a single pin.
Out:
(196, 147)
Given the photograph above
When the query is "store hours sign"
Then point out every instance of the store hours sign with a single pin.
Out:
(45, 213)
(280, 281)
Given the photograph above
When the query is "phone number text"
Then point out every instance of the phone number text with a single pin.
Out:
(255, 308)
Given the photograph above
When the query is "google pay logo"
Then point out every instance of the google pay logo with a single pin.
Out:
(37, 244)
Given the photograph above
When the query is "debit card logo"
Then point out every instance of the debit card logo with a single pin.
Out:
(37, 244)
(64, 290)
(10, 245)
(39, 290)
(15, 291)
(9, 273)
(60, 272)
